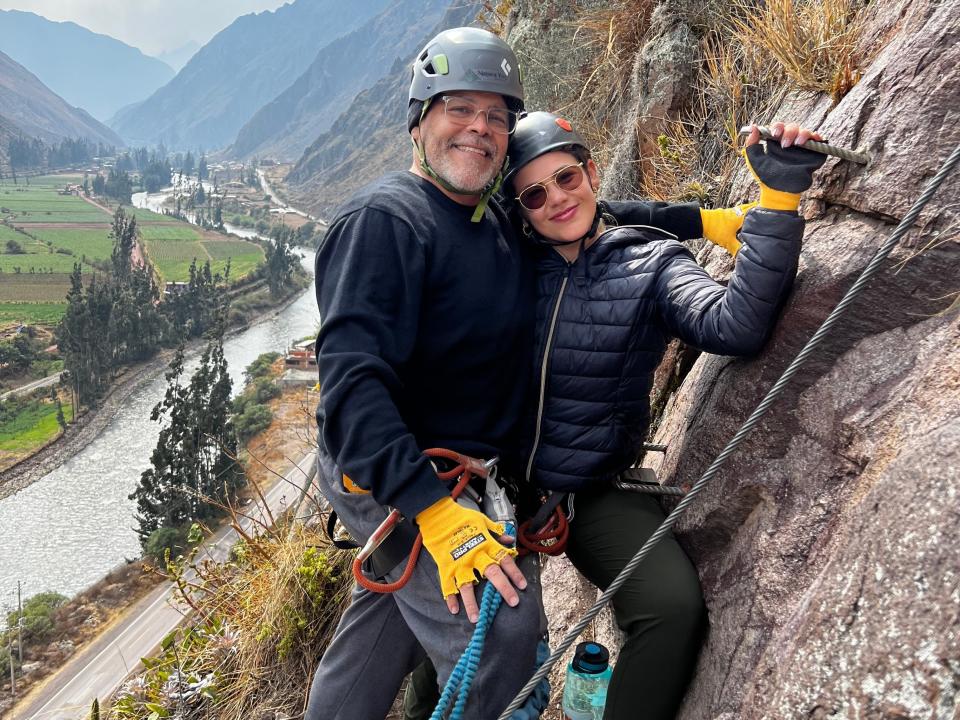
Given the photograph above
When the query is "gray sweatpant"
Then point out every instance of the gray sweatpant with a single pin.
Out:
(382, 638)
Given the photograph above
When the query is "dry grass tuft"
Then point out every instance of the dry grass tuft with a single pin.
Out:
(260, 624)
(811, 41)
(493, 15)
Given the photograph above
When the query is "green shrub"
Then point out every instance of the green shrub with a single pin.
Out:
(265, 389)
(37, 614)
(254, 419)
(163, 539)
(261, 366)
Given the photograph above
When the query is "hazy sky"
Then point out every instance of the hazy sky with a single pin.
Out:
(154, 26)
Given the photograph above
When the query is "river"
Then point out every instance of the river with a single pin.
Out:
(71, 527)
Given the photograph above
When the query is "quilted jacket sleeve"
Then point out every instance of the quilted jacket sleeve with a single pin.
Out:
(738, 318)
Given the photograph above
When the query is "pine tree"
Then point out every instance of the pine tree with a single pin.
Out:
(123, 232)
(73, 339)
(280, 261)
(192, 462)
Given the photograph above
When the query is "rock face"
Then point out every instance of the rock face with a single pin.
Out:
(826, 543)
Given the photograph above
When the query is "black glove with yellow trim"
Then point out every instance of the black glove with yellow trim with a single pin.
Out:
(782, 173)
(462, 542)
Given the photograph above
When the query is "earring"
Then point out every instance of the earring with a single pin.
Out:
(526, 229)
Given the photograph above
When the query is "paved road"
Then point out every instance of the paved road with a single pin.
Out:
(101, 667)
(282, 203)
(30, 387)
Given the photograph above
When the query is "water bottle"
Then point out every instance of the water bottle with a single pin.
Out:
(585, 689)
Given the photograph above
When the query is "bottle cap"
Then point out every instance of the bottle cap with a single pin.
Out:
(591, 658)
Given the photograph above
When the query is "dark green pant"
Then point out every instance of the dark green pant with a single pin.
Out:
(660, 608)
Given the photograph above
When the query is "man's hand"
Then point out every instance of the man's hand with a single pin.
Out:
(462, 543)
(783, 171)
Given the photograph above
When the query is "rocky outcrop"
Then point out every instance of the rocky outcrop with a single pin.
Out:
(825, 544)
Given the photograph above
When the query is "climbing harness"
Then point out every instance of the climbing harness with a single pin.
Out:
(497, 507)
(552, 525)
(873, 267)
(466, 469)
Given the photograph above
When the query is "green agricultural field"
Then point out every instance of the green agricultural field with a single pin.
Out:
(43, 261)
(93, 243)
(27, 287)
(244, 256)
(172, 258)
(8, 233)
(32, 427)
(170, 244)
(32, 313)
(176, 232)
(43, 205)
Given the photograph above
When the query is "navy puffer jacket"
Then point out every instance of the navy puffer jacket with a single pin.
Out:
(603, 323)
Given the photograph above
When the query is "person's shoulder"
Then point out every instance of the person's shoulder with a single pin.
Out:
(638, 240)
(398, 194)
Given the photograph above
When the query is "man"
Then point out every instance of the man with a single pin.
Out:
(426, 300)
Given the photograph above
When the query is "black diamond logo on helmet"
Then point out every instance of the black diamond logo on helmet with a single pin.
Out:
(505, 66)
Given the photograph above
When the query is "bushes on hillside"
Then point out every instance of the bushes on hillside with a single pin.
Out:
(37, 615)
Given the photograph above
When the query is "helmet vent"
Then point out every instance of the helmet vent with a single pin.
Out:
(428, 70)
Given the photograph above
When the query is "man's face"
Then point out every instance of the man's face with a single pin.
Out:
(467, 157)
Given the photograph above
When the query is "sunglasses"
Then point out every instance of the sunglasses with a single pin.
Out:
(569, 178)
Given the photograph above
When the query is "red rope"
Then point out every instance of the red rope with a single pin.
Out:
(551, 539)
(467, 468)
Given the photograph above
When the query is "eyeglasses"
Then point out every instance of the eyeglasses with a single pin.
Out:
(569, 178)
(461, 111)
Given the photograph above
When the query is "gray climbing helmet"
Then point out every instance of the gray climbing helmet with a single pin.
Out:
(537, 134)
(467, 58)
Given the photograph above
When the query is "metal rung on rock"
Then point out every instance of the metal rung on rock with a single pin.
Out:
(644, 480)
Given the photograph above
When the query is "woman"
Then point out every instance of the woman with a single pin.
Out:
(609, 300)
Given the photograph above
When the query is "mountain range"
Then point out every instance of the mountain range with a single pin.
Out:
(242, 68)
(370, 136)
(32, 110)
(88, 70)
(284, 127)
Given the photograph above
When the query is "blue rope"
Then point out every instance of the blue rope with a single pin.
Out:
(461, 678)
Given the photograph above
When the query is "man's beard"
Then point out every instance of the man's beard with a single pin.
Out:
(462, 177)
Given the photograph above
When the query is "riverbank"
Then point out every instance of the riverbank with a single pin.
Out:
(267, 457)
(92, 422)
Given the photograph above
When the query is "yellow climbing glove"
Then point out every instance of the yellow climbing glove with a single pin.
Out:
(351, 487)
(782, 173)
(461, 542)
(721, 225)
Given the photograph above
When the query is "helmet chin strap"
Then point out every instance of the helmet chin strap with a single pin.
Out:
(485, 194)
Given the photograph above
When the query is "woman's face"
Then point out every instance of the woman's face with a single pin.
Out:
(567, 214)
